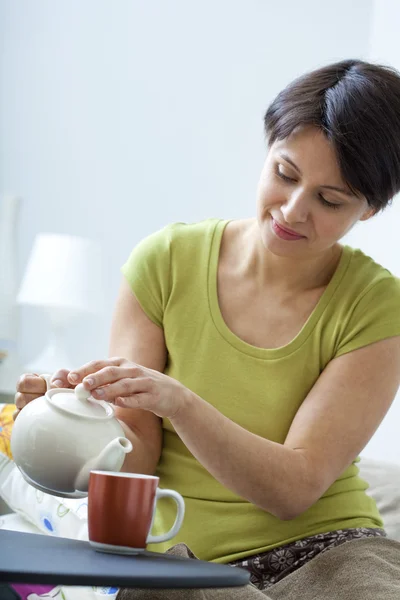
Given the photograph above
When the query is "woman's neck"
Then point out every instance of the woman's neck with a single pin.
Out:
(286, 275)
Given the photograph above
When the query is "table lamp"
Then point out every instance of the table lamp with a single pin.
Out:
(64, 277)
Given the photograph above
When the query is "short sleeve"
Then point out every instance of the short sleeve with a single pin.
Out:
(376, 316)
(147, 271)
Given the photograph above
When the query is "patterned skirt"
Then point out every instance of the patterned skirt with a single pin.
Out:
(270, 567)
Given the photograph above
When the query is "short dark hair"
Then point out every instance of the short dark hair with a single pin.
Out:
(357, 105)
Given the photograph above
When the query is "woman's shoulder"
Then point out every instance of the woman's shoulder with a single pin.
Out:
(193, 230)
(174, 235)
(366, 273)
(367, 309)
(181, 232)
(366, 286)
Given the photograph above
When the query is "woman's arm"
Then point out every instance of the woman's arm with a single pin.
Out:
(332, 426)
(138, 339)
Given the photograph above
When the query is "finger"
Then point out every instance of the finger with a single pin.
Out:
(135, 401)
(122, 387)
(31, 383)
(144, 401)
(111, 374)
(94, 366)
(21, 400)
(15, 414)
(59, 379)
(151, 401)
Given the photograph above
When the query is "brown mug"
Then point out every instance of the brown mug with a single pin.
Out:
(121, 509)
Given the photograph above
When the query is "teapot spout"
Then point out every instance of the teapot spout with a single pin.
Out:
(113, 455)
(111, 458)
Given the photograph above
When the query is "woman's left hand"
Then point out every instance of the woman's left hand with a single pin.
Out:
(126, 384)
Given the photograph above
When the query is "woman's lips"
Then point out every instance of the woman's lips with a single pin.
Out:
(284, 233)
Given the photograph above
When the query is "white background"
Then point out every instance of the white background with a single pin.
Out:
(117, 118)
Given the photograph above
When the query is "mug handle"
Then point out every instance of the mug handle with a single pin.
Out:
(163, 537)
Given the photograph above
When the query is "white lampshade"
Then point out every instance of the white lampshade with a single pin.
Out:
(64, 271)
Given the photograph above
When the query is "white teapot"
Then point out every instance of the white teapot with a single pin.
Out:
(59, 438)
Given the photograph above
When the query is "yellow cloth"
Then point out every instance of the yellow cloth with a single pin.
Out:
(6, 423)
(173, 274)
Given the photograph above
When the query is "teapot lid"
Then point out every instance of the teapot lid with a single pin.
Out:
(80, 402)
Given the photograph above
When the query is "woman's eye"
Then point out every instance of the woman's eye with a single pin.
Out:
(328, 204)
(283, 176)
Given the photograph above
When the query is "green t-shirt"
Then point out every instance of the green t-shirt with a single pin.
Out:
(173, 274)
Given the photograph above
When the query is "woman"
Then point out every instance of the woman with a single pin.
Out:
(257, 357)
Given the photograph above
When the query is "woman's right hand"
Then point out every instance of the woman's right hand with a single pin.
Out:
(31, 386)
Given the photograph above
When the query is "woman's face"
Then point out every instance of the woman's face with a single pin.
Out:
(301, 190)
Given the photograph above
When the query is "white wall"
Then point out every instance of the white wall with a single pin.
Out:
(117, 118)
(379, 237)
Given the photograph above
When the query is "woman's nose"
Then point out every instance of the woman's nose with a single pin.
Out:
(295, 209)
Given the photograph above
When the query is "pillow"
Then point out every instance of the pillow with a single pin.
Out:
(14, 522)
(64, 517)
(384, 487)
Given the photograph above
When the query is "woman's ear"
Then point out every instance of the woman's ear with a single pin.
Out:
(370, 212)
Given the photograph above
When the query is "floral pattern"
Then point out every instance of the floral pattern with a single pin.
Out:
(6, 423)
(270, 567)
